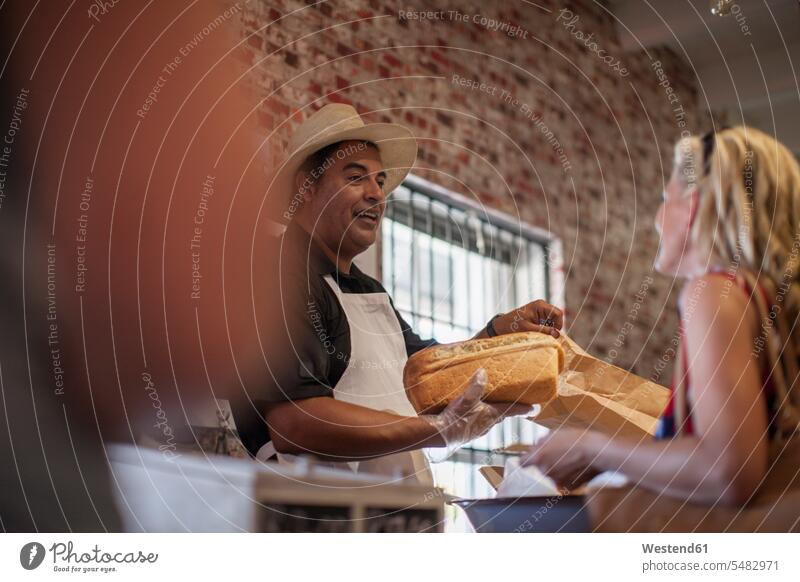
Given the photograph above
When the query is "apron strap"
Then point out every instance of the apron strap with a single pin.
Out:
(266, 452)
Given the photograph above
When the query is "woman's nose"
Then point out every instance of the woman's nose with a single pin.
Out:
(659, 221)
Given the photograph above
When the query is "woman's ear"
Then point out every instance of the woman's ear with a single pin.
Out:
(304, 185)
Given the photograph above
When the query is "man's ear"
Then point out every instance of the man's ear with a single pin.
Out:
(305, 185)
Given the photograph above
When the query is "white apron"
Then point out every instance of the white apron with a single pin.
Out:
(374, 379)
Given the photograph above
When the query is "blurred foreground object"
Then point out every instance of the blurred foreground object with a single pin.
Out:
(238, 495)
(130, 174)
(721, 7)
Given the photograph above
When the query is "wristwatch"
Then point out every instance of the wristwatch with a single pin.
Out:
(490, 330)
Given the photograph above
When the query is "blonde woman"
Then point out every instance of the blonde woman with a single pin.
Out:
(730, 225)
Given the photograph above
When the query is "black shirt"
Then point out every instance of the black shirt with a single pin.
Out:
(308, 346)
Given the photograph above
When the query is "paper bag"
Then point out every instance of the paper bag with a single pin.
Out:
(531, 482)
(597, 395)
(493, 474)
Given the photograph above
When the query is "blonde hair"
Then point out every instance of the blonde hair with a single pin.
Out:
(748, 220)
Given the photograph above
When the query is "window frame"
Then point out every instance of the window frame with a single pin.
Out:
(549, 243)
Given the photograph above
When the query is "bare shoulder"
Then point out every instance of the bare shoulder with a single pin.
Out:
(716, 300)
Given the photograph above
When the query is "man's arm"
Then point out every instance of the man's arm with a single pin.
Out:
(339, 431)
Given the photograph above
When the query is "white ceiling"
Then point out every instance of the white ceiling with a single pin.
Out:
(754, 78)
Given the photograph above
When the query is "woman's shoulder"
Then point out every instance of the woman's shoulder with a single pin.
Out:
(716, 294)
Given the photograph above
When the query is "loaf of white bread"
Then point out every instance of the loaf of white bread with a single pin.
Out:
(521, 367)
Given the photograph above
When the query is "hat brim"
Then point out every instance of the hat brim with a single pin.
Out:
(396, 144)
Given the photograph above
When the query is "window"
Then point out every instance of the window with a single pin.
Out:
(450, 266)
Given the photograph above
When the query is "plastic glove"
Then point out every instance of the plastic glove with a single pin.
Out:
(467, 417)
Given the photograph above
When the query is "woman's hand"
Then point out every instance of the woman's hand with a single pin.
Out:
(568, 456)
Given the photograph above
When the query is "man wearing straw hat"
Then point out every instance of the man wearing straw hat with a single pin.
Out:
(336, 359)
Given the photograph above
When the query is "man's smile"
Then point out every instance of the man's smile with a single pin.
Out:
(369, 216)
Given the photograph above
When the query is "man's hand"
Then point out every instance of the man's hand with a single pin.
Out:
(535, 316)
(468, 417)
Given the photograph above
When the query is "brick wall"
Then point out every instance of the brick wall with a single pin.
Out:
(556, 136)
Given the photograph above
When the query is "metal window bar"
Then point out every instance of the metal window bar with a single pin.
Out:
(431, 279)
(414, 278)
(392, 238)
(448, 235)
(468, 264)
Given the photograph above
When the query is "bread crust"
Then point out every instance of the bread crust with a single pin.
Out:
(521, 367)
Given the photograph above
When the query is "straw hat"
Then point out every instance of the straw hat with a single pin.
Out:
(339, 122)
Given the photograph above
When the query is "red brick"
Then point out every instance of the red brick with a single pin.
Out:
(337, 98)
(392, 61)
(440, 57)
(255, 42)
(444, 118)
(278, 108)
(290, 58)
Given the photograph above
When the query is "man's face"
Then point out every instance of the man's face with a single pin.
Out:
(347, 203)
